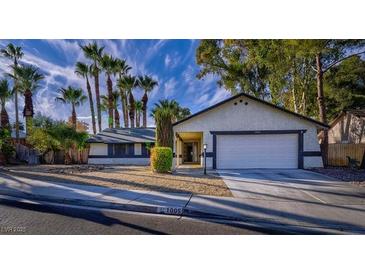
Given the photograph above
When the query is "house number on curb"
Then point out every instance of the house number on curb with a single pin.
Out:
(170, 210)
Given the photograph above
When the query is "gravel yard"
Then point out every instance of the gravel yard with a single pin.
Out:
(356, 177)
(126, 177)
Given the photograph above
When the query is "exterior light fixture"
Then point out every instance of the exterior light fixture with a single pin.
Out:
(205, 158)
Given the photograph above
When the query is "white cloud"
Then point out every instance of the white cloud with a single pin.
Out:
(70, 49)
(207, 100)
(172, 60)
(167, 60)
(169, 87)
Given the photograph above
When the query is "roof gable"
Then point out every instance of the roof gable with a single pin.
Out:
(257, 100)
(360, 113)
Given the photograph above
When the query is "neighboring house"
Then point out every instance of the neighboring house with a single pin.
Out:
(348, 128)
(22, 137)
(129, 146)
(246, 132)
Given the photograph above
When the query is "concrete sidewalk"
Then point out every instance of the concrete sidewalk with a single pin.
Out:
(310, 216)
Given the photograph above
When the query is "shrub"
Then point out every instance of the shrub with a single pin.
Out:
(8, 150)
(42, 141)
(6, 147)
(161, 159)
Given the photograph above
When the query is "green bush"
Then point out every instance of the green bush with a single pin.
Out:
(161, 159)
(8, 150)
(6, 147)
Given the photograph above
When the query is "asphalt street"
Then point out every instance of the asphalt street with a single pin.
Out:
(28, 218)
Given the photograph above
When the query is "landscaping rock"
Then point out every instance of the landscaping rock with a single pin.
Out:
(355, 176)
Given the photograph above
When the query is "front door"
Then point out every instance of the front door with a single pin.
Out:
(190, 152)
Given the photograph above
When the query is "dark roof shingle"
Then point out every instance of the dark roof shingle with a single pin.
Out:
(124, 135)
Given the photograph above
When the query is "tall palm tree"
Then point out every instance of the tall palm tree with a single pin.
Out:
(105, 107)
(5, 95)
(177, 112)
(128, 83)
(147, 83)
(83, 70)
(14, 53)
(139, 108)
(109, 65)
(27, 79)
(122, 69)
(93, 52)
(73, 96)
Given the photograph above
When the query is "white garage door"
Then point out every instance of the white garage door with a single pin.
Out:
(257, 151)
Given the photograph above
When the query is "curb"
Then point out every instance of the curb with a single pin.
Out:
(175, 211)
(96, 204)
(172, 211)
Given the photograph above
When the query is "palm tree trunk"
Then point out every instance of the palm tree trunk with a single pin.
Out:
(74, 117)
(28, 124)
(4, 118)
(144, 108)
(28, 111)
(137, 118)
(116, 118)
(132, 108)
(16, 104)
(322, 108)
(125, 116)
(97, 93)
(109, 84)
(91, 102)
(16, 115)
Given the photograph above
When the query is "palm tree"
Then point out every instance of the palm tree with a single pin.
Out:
(27, 79)
(177, 112)
(147, 83)
(122, 69)
(109, 64)
(73, 96)
(105, 107)
(139, 108)
(116, 96)
(5, 95)
(83, 71)
(14, 53)
(128, 83)
(164, 113)
(94, 52)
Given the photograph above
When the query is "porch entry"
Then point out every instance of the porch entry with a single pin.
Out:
(188, 148)
(191, 153)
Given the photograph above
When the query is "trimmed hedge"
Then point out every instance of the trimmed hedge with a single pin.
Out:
(161, 159)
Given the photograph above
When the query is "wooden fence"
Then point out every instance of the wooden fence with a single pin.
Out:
(337, 153)
(72, 156)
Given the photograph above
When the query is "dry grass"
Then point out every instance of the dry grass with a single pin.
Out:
(137, 178)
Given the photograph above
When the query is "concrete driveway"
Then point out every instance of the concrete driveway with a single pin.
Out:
(291, 185)
(297, 197)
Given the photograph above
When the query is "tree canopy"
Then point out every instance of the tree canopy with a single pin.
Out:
(284, 71)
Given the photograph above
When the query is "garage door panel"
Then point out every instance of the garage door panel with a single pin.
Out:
(257, 151)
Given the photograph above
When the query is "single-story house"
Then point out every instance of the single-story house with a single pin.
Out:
(125, 146)
(246, 132)
(348, 128)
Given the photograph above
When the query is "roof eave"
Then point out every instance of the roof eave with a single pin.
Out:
(320, 124)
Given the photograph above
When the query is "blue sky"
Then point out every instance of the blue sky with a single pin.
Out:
(170, 62)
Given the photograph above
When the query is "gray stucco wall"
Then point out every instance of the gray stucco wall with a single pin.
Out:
(253, 116)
